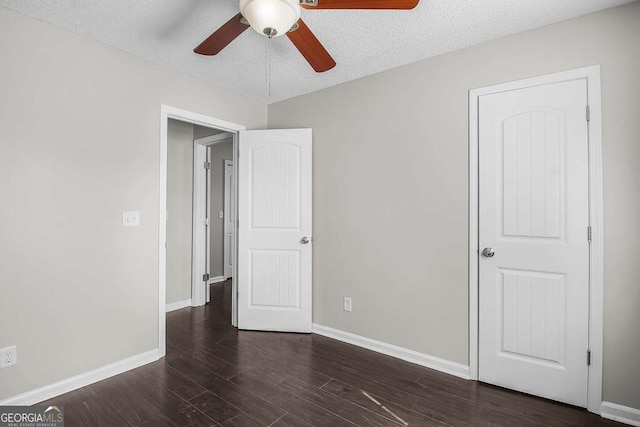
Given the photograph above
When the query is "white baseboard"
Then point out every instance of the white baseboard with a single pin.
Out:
(442, 365)
(69, 384)
(620, 413)
(177, 305)
(216, 279)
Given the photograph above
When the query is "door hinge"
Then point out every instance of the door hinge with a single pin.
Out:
(589, 234)
(205, 277)
(588, 114)
(206, 221)
(588, 357)
(207, 165)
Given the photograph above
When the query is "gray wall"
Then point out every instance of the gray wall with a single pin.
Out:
(179, 210)
(80, 144)
(390, 188)
(219, 153)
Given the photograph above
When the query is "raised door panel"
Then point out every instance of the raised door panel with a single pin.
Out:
(533, 174)
(275, 281)
(533, 315)
(275, 202)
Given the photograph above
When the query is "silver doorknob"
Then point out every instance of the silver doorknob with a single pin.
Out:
(488, 252)
(304, 240)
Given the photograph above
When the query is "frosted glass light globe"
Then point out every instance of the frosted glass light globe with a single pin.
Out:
(272, 18)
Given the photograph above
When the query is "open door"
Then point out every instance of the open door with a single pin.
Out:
(274, 230)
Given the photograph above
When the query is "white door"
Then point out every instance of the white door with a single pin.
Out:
(229, 215)
(207, 230)
(200, 229)
(274, 230)
(533, 212)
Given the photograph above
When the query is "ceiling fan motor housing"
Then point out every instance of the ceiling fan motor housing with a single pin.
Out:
(271, 18)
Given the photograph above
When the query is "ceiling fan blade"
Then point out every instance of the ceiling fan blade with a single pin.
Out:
(224, 35)
(311, 48)
(359, 4)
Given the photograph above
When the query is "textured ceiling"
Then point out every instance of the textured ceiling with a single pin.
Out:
(361, 42)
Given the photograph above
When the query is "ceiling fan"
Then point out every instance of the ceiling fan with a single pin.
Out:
(274, 18)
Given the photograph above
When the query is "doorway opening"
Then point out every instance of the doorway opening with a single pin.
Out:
(212, 215)
(185, 120)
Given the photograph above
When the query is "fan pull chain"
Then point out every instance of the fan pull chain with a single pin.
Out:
(267, 66)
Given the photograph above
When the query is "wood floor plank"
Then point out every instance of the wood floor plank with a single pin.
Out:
(254, 406)
(172, 380)
(120, 398)
(341, 407)
(302, 409)
(174, 408)
(212, 364)
(333, 369)
(360, 359)
(268, 365)
(215, 407)
(83, 408)
(546, 411)
(242, 421)
(159, 421)
(387, 378)
(289, 420)
(377, 404)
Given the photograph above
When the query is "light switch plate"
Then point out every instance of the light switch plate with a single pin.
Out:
(131, 218)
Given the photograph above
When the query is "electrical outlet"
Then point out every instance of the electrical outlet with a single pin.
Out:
(347, 304)
(8, 356)
(131, 218)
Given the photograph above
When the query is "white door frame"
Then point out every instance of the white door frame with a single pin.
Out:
(228, 191)
(596, 255)
(199, 262)
(201, 245)
(168, 112)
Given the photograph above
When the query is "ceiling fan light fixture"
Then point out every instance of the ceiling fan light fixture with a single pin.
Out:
(271, 18)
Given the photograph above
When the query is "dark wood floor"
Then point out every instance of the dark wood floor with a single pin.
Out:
(215, 375)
